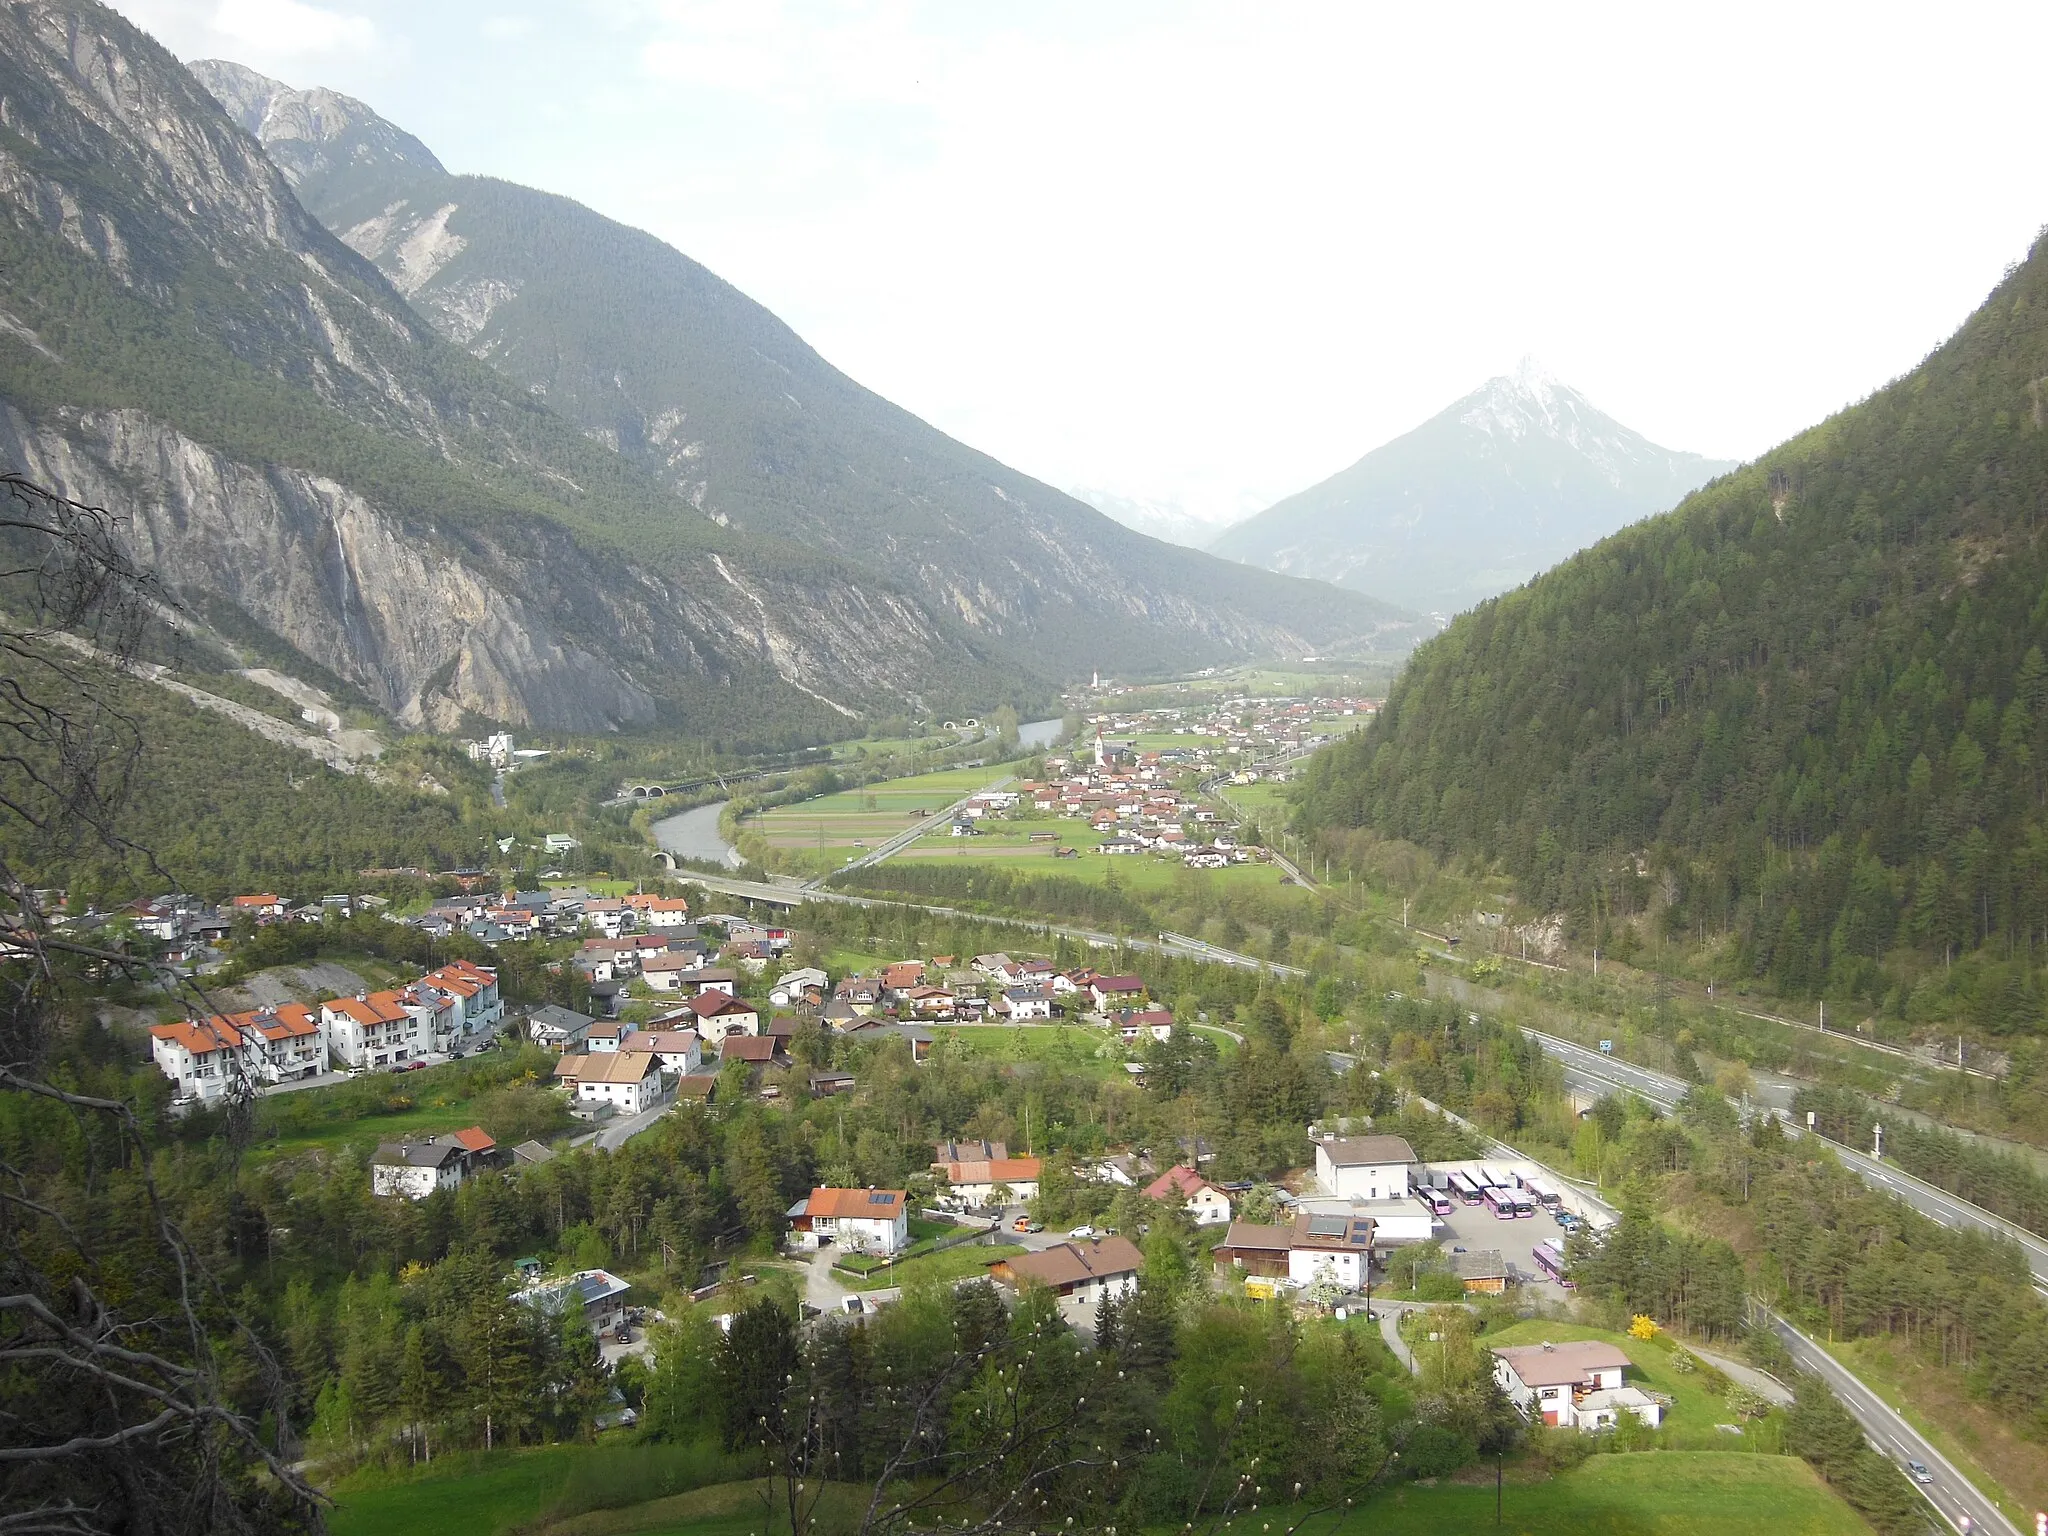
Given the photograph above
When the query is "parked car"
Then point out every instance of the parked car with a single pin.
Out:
(1919, 1471)
(1026, 1224)
(1082, 1231)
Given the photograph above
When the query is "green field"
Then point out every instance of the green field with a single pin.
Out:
(1692, 1493)
(825, 831)
(356, 1112)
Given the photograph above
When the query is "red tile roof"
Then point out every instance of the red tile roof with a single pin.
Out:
(875, 1204)
(475, 1139)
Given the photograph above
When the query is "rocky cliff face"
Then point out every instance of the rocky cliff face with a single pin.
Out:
(182, 343)
(687, 378)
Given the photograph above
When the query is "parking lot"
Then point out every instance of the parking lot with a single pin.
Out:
(1474, 1229)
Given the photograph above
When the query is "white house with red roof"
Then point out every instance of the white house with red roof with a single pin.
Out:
(719, 1014)
(1205, 1201)
(858, 1220)
(376, 1029)
(1104, 991)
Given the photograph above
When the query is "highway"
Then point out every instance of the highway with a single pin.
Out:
(1953, 1494)
(1950, 1492)
(1592, 1072)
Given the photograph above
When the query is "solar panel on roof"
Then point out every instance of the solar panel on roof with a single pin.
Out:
(881, 1199)
(1328, 1226)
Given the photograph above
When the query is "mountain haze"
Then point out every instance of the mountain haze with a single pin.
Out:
(1500, 485)
(1806, 713)
(689, 380)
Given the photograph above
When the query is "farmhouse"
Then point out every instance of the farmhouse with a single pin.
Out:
(1579, 1384)
(602, 1294)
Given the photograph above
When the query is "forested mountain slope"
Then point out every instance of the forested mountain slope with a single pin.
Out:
(1494, 488)
(1809, 708)
(686, 377)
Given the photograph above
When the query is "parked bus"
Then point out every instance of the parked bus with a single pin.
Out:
(1549, 1257)
(1542, 1193)
(1498, 1201)
(1438, 1202)
(1523, 1202)
(1463, 1187)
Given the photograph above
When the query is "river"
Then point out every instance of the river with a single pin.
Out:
(1039, 733)
(694, 835)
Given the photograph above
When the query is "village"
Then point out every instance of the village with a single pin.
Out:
(1321, 1238)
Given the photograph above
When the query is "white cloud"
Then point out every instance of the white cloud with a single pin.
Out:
(289, 27)
(508, 29)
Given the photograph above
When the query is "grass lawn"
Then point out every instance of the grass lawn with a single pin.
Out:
(1979, 1440)
(434, 1101)
(1079, 1048)
(954, 1264)
(1688, 1423)
(464, 1495)
(1650, 1494)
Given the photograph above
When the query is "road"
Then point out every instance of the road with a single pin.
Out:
(1171, 945)
(1951, 1493)
(1592, 1072)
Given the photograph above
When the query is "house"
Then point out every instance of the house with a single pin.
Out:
(1104, 991)
(975, 1170)
(473, 989)
(991, 966)
(759, 1050)
(413, 1170)
(680, 1051)
(1207, 1203)
(285, 1042)
(609, 916)
(1483, 1272)
(558, 1029)
(803, 987)
(1022, 1004)
(1578, 1385)
(840, 1016)
(1085, 1271)
(863, 994)
(858, 1220)
(825, 1084)
(659, 912)
(1136, 1024)
(625, 1081)
(1308, 1249)
(607, 1036)
(1365, 1167)
(928, 1002)
(719, 1014)
(375, 1029)
(718, 979)
(601, 1295)
(1121, 1169)
(202, 1058)
(903, 975)
(531, 1154)
(671, 973)
(267, 907)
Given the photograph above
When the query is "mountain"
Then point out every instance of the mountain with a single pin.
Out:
(1806, 712)
(1502, 484)
(707, 393)
(1166, 521)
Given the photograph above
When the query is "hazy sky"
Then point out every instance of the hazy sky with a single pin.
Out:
(1212, 253)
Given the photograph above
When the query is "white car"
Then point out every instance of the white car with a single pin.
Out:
(1082, 1231)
